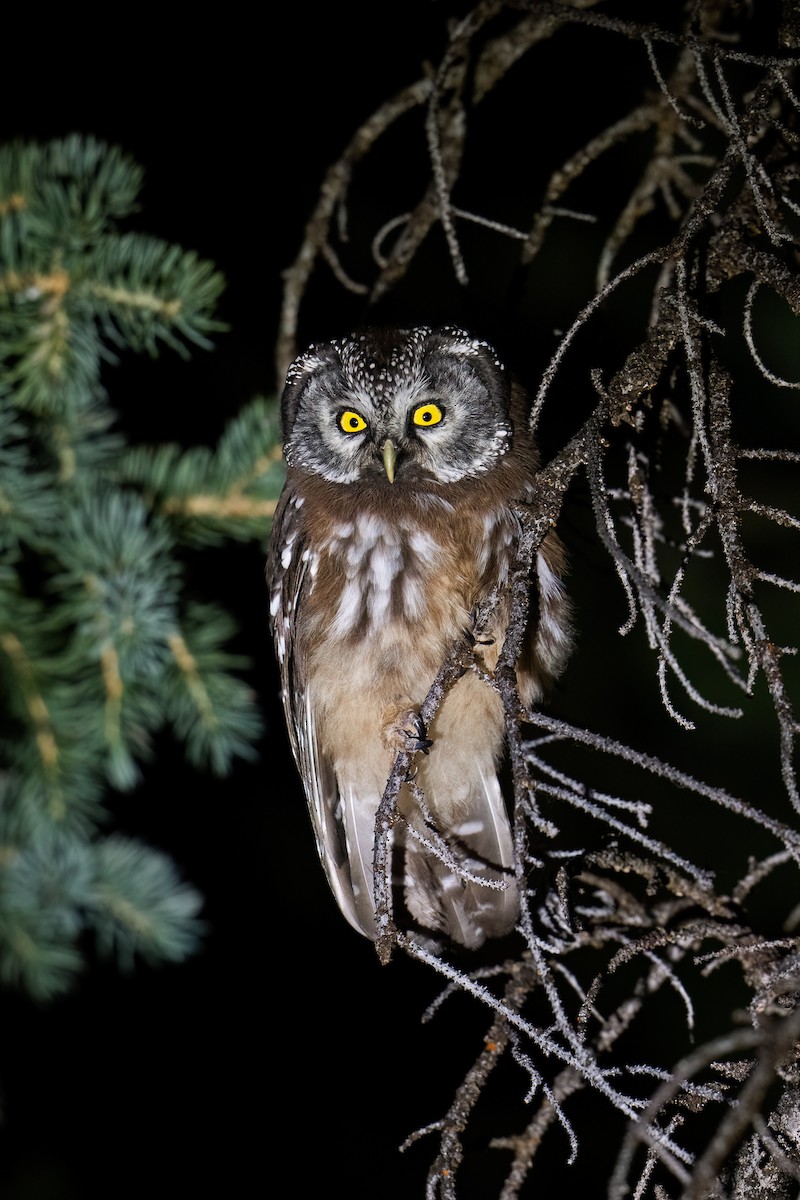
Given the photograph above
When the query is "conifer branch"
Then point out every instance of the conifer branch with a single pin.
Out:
(102, 645)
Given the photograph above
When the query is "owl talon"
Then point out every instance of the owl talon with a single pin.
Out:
(406, 732)
(472, 640)
(469, 634)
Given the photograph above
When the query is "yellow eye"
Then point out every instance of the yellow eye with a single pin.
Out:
(351, 422)
(427, 414)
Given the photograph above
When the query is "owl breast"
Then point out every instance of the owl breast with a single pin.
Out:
(383, 569)
(394, 580)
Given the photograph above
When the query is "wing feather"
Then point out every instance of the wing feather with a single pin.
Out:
(290, 575)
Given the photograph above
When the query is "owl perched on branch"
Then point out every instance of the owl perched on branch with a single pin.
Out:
(406, 453)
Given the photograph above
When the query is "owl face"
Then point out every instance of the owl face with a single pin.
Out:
(420, 407)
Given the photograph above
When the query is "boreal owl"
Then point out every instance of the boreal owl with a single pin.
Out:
(407, 451)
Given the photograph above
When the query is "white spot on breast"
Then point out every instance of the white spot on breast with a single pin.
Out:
(379, 606)
(385, 562)
(371, 528)
(425, 547)
(348, 610)
(382, 564)
(413, 597)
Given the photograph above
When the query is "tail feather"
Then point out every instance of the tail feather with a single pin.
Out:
(466, 910)
(359, 824)
(440, 896)
(443, 893)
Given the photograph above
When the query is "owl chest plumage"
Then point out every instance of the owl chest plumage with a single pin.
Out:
(384, 584)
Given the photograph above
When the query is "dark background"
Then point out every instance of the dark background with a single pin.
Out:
(283, 1047)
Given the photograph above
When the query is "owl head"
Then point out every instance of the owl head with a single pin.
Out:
(397, 408)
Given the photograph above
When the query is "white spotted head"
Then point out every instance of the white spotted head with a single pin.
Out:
(400, 406)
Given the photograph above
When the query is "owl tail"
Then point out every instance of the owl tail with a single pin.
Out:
(443, 872)
(468, 892)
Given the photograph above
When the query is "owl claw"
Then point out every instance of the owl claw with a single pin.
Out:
(472, 641)
(406, 732)
(469, 634)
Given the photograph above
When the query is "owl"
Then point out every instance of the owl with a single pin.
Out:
(406, 452)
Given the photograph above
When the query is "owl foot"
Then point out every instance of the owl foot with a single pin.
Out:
(405, 730)
(470, 636)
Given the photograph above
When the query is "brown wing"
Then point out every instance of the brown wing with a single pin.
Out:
(291, 566)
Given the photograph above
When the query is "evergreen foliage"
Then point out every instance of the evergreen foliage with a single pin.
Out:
(101, 644)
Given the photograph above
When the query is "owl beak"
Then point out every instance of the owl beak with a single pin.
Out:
(389, 457)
